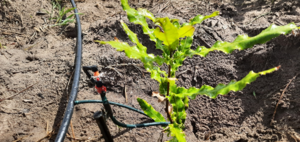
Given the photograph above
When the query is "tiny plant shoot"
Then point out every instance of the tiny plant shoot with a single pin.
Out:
(60, 19)
(175, 40)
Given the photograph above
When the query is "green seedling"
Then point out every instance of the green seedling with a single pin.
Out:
(2, 46)
(254, 94)
(175, 40)
(60, 18)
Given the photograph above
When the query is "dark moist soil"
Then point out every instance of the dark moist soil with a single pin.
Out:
(44, 57)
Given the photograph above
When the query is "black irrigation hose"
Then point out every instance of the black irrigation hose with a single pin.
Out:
(128, 107)
(112, 103)
(69, 111)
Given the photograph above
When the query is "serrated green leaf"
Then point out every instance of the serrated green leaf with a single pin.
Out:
(173, 140)
(136, 17)
(156, 72)
(140, 53)
(185, 45)
(200, 18)
(243, 41)
(132, 36)
(131, 51)
(146, 13)
(186, 31)
(150, 111)
(169, 35)
(178, 115)
(220, 89)
(177, 132)
(186, 102)
(182, 52)
(164, 48)
(163, 86)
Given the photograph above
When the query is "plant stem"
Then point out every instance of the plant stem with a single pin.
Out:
(168, 93)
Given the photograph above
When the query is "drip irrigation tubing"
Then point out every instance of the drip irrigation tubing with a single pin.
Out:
(113, 103)
(74, 90)
(69, 111)
(138, 125)
(128, 107)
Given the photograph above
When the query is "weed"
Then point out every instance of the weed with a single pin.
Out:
(175, 40)
(2, 46)
(60, 18)
(254, 94)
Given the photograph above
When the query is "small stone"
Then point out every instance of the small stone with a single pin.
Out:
(27, 101)
(88, 120)
(40, 95)
(25, 110)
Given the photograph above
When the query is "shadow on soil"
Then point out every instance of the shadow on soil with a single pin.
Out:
(62, 106)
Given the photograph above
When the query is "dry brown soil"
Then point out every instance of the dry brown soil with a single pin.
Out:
(44, 57)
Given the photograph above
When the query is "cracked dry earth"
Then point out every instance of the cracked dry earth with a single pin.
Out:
(41, 60)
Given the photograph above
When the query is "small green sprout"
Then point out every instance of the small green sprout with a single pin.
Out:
(254, 94)
(175, 40)
(2, 46)
(61, 19)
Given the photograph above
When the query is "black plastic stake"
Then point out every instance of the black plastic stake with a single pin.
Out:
(101, 121)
